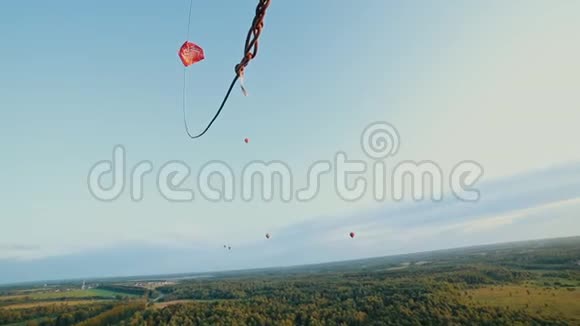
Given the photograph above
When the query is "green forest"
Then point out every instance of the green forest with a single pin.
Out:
(531, 283)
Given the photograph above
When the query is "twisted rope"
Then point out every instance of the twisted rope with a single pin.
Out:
(250, 52)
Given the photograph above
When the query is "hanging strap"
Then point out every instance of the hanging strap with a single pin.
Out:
(250, 52)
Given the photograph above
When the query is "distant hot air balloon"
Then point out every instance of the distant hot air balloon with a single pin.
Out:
(267, 235)
(352, 234)
(246, 140)
(229, 248)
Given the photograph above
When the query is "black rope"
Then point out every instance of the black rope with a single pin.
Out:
(214, 117)
(251, 44)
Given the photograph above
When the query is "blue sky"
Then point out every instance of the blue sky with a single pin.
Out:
(492, 82)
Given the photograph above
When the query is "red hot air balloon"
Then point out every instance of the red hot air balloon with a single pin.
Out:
(190, 53)
(246, 140)
(352, 234)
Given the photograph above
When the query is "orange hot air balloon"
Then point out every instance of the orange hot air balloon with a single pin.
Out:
(190, 53)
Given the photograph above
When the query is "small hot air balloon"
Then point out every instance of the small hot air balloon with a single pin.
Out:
(229, 248)
(190, 53)
(225, 246)
(352, 234)
(267, 235)
(246, 140)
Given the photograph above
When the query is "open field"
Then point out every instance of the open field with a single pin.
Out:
(50, 295)
(557, 302)
(49, 303)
